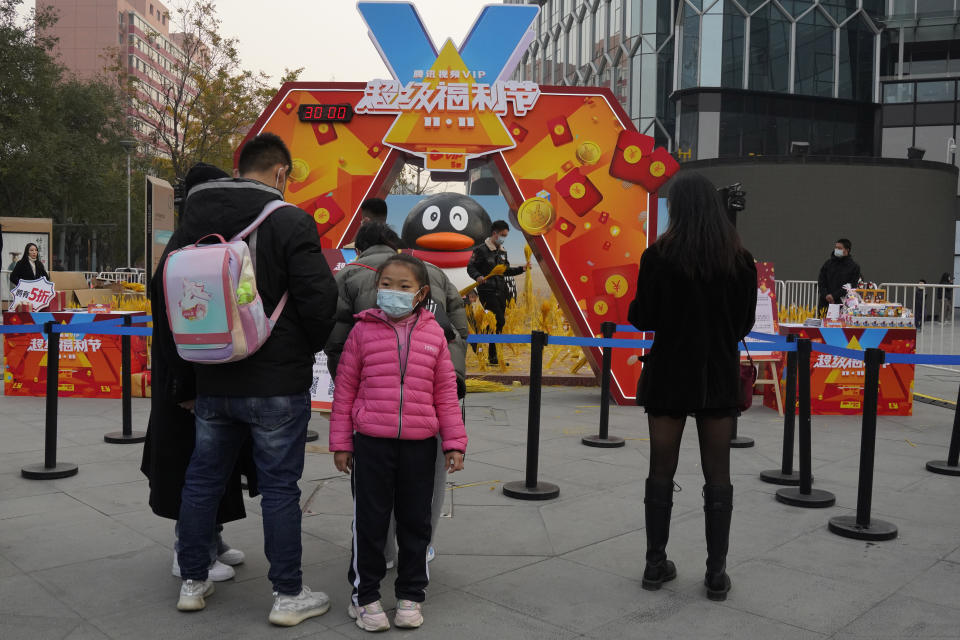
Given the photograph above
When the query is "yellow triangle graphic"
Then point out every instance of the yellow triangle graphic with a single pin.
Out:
(854, 344)
(443, 133)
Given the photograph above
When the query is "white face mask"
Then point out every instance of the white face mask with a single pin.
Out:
(838, 253)
(281, 185)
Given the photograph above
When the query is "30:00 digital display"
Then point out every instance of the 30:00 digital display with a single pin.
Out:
(325, 112)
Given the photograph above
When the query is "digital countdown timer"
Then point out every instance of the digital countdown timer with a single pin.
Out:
(325, 113)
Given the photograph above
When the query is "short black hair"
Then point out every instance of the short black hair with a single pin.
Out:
(417, 266)
(846, 244)
(376, 208)
(263, 152)
(376, 233)
(498, 226)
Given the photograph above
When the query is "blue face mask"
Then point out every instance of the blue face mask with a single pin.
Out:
(396, 303)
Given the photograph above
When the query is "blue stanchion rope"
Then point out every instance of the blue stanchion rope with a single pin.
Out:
(21, 328)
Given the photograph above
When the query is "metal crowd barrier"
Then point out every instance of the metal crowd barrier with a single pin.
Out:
(861, 526)
(50, 468)
(799, 351)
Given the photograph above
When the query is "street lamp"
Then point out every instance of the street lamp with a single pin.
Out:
(129, 145)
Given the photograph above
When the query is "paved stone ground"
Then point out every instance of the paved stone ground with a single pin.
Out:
(84, 558)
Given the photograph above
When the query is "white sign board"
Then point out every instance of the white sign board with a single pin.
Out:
(321, 390)
(764, 322)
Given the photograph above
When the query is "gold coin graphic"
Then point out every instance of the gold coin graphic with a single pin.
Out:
(632, 154)
(657, 169)
(600, 308)
(616, 285)
(559, 129)
(588, 152)
(321, 216)
(323, 128)
(536, 216)
(300, 170)
(577, 190)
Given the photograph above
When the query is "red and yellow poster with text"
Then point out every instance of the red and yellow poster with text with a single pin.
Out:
(89, 362)
(836, 382)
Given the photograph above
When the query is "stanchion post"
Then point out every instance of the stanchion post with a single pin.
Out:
(805, 495)
(50, 470)
(950, 466)
(785, 475)
(861, 527)
(126, 436)
(604, 440)
(530, 488)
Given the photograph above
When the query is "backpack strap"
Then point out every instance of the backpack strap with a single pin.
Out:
(269, 208)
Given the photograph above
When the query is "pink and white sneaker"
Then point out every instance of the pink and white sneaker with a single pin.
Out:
(409, 615)
(369, 617)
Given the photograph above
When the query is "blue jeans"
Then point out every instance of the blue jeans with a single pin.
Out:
(277, 426)
(217, 545)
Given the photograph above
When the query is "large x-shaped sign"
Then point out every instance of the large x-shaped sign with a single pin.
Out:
(494, 44)
(449, 102)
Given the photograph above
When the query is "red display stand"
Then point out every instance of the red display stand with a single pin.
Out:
(836, 384)
(89, 362)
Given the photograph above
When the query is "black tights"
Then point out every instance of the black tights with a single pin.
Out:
(715, 433)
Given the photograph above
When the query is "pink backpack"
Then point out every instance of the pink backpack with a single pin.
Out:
(213, 306)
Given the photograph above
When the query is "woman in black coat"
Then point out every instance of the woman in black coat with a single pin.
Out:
(170, 432)
(697, 289)
(28, 267)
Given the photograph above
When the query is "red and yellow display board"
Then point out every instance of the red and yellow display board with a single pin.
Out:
(89, 362)
(574, 170)
(836, 382)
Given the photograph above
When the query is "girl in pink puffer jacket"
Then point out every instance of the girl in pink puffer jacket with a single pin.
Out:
(395, 390)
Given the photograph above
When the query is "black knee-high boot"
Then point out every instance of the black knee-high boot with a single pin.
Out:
(717, 509)
(658, 504)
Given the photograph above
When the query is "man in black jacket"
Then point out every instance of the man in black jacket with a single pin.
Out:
(493, 291)
(264, 397)
(839, 270)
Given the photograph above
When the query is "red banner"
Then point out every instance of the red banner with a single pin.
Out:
(836, 383)
(89, 362)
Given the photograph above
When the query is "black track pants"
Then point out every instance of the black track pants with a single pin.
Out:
(391, 475)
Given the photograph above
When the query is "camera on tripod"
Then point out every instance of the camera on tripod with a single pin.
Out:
(734, 199)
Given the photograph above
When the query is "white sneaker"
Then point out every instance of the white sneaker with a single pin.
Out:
(288, 611)
(232, 557)
(390, 564)
(369, 617)
(216, 573)
(192, 594)
(431, 554)
(408, 615)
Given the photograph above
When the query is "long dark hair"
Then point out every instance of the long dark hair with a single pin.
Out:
(26, 254)
(700, 240)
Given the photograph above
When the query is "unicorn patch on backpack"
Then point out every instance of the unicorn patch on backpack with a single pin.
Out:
(193, 304)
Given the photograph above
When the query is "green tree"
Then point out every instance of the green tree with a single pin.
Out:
(208, 102)
(60, 155)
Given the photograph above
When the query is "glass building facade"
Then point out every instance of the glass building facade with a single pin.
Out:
(918, 74)
(724, 78)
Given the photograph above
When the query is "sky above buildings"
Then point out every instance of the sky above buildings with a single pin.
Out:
(326, 37)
